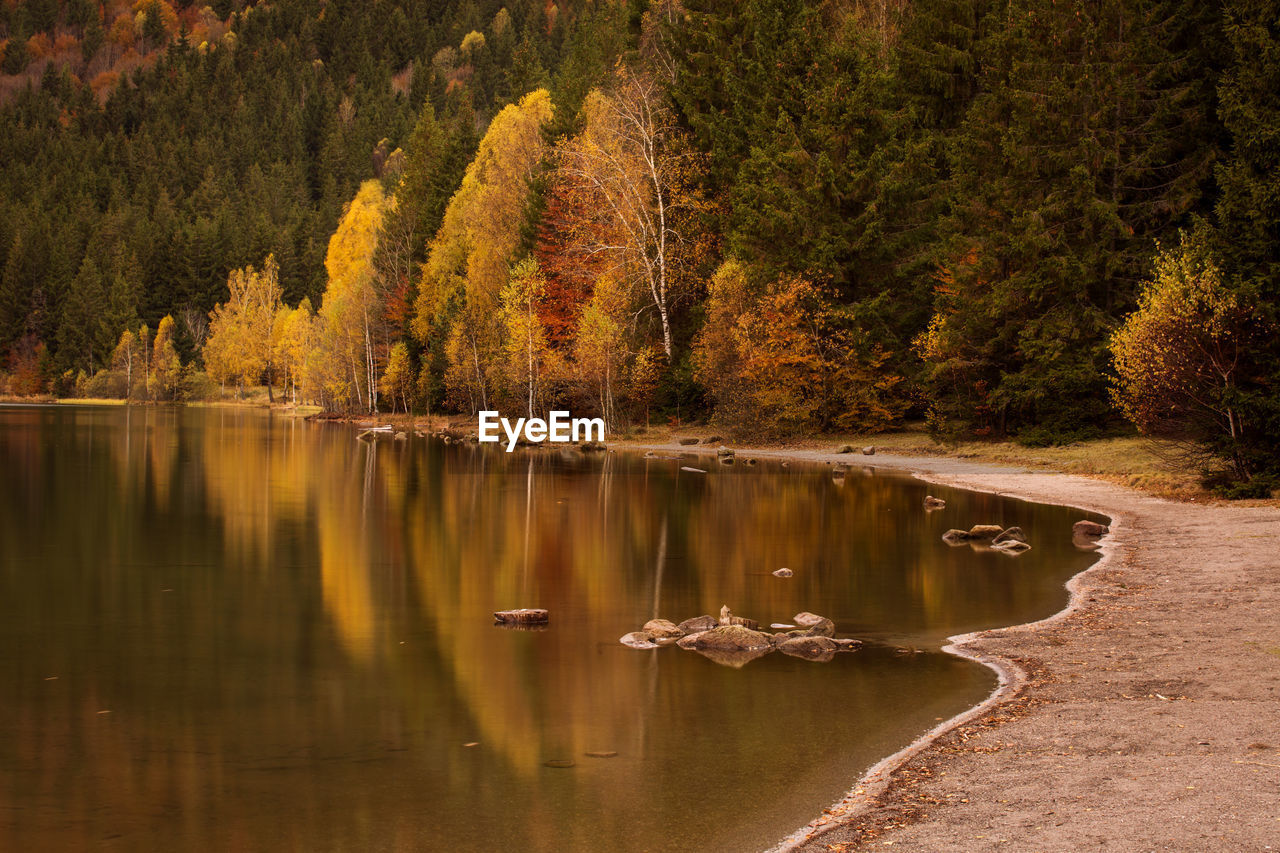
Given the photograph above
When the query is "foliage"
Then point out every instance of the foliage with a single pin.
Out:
(1179, 357)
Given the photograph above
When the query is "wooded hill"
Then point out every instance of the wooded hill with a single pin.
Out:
(783, 215)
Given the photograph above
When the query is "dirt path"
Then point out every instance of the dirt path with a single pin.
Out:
(1145, 717)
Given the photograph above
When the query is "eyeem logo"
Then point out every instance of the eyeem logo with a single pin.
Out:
(561, 428)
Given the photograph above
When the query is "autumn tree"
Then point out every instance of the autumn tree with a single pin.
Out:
(469, 261)
(239, 344)
(293, 338)
(166, 369)
(525, 338)
(354, 336)
(600, 351)
(784, 359)
(397, 380)
(1181, 356)
(632, 171)
(125, 359)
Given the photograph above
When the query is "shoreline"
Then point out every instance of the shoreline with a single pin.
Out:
(1145, 713)
(1011, 677)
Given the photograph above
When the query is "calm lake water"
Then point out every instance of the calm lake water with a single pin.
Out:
(222, 630)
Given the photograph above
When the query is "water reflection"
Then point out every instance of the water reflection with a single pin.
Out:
(220, 630)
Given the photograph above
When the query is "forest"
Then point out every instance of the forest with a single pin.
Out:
(1031, 218)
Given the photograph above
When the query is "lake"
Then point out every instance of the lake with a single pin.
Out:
(222, 629)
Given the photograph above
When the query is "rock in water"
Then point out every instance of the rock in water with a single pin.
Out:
(783, 573)
(524, 616)
(820, 649)
(697, 624)
(955, 537)
(1012, 534)
(638, 640)
(1010, 546)
(847, 644)
(930, 502)
(985, 531)
(724, 451)
(1089, 528)
(813, 625)
(662, 628)
(728, 638)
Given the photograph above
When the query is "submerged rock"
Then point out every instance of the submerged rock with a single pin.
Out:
(783, 573)
(638, 640)
(1012, 534)
(1011, 546)
(930, 502)
(820, 649)
(662, 629)
(955, 537)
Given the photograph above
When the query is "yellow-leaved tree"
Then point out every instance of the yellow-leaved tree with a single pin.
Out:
(354, 338)
(166, 369)
(469, 261)
(239, 346)
(527, 354)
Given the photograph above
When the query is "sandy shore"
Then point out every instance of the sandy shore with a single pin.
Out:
(1145, 716)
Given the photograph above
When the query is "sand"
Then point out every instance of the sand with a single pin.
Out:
(1145, 716)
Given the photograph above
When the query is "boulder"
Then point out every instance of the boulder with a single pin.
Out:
(662, 628)
(724, 451)
(728, 638)
(712, 439)
(930, 502)
(845, 448)
(985, 531)
(783, 573)
(955, 537)
(686, 441)
(813, 625)
(638, 640)
(869, 450)
(821, 649)
(1089, 528)
(1011, 534)
(697, 624)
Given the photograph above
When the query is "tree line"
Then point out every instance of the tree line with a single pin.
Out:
(1024, 217)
